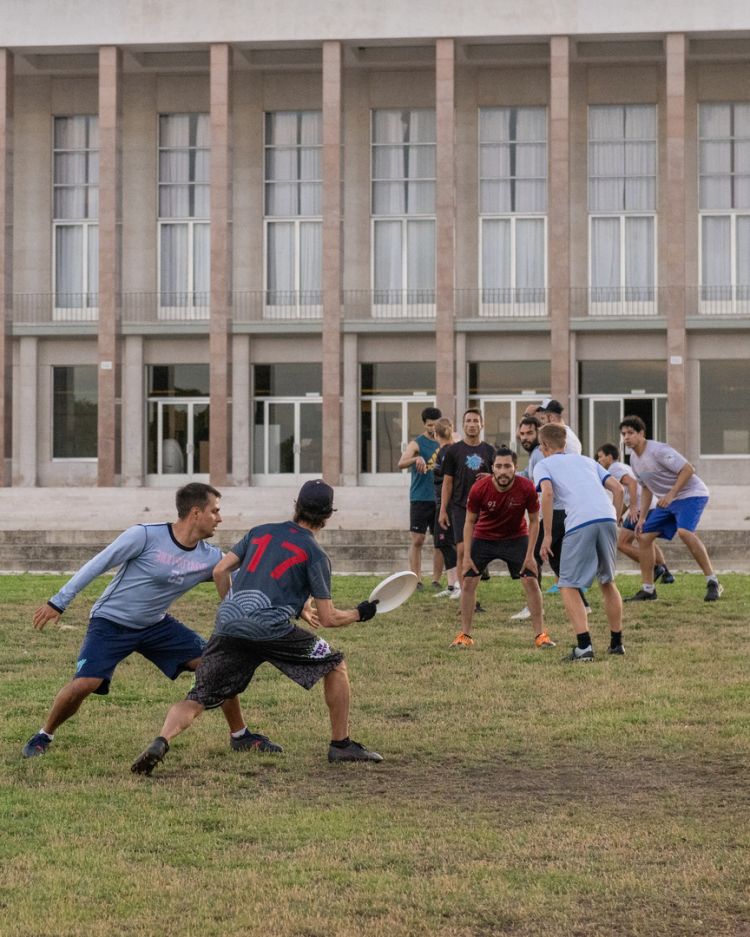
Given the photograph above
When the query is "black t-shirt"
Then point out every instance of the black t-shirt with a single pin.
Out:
(464, 463)
(437, 471)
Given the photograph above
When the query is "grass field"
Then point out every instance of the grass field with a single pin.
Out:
(519, 795)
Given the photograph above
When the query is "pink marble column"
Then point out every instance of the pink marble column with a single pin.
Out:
(219, 346)
(332, 262)
(445, 214)
(558, 219)
(676, 49)
(6, 264)
(110, 214)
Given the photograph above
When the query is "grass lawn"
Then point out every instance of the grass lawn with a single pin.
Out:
(519, 795)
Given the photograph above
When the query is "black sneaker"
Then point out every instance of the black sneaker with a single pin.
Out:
(579, 656)
(420, 586)
(713, 591)
(436, 586)
(353, 752)
(150, 758)
(642, 596)
(659, 571)
(620, 650)
(485, 575)
(478, 609)
(36, 745)
(667, 578)
(253, 741)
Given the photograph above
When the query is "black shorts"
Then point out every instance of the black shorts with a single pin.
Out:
(458, 519)
(558, 532)
(422, 516)
(228, 664)
(512, 552)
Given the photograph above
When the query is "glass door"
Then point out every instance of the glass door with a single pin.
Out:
(287, 440)
(501, 416)
(388, 423)
(178, 438)
(601, 416)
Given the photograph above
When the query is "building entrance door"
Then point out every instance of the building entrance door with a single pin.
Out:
(178, 439)
(388, 424)
(287, 440)
(601, 416)
(501, 415)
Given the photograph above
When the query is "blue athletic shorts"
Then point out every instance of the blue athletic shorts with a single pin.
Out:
(683, 514)
(627, 524)
(168, 644)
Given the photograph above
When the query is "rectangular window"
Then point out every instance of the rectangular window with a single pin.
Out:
(512, 207)
(75, 214)
(403, 210)
(724, 183)
(622, 208)
(74, 412)
(725, 399)
(184, 231)
(293, 209)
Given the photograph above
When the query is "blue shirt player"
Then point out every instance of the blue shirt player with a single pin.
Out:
(157, 564)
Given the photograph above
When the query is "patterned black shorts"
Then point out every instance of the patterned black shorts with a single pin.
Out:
(228, 664)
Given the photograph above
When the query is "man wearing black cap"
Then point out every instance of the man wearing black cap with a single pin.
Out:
(280, 569)
(551, 411)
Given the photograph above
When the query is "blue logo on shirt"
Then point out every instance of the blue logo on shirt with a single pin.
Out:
(474, 462)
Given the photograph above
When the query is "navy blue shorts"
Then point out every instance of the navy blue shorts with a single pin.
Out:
(168, 644)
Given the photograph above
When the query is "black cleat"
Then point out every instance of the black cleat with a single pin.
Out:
(254, 741)
(667, 578)
(713, 591)
(642, 596)
(150, 758)
(659, 571)
(353, 752)
(37, 745)
(580, 656)
(618, 649)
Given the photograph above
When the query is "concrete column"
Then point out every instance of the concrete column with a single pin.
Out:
(110, 214)
(445, 213)
(242, 415)
(350, 407)
(332, 260)
(558, 218)
(462, 381)
(26, 411)
(676, 49)
(133, 411)
(219, 347)
(6, 266)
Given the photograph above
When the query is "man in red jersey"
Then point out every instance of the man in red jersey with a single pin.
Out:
(496, 528)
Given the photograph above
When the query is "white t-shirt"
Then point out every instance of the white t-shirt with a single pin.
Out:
(618, 470)
(658, 466)
(578, 484)
(572, 442)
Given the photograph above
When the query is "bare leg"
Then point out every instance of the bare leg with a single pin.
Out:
(437, 565)
(69, 699)
(574, 609)
(626, 544)
(534, 602)
(180, 717)
(337, 695)
(646, 557)
(468, 600)
(700, 555)
(659, 555)
(612, 605)
(452, 575)
(230, 707)
(415, 554)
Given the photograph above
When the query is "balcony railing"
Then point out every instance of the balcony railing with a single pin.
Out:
(621, 301)
(277, 305)
(525, 303)
(720, 301)
(388, 305)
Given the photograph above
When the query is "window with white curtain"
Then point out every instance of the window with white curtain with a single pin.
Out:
(724, 167)
(76, 212)
(293, 225)
(622, 203)
(513, 203)
(403, 206)
(184, 231)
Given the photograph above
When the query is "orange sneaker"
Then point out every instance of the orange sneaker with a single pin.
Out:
(544, 640)
(463, 640)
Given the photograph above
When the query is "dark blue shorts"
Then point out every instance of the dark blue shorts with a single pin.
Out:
(683, 514)
(627, 524)
(168, 644)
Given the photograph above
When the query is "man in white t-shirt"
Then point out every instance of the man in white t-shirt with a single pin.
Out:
(551, 411)
(682, 498)
(607, 456)
(589, 547)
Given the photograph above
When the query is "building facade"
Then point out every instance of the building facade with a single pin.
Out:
(251, 247)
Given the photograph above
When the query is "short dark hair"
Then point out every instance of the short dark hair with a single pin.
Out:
(530, 420)
(194, 495)
(633, 422)
(472, 410)
(431, 413)
(504, 452)
(318, 521)
(609, 449)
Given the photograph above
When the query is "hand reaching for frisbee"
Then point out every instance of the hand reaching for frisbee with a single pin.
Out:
(367, 609)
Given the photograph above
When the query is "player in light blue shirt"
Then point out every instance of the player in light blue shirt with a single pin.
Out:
(157, 564)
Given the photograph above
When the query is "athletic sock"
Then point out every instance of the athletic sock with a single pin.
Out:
(649, 587)
(239, 733)
(50, 737)
(615, 638)
(340, 743)
(584, 640)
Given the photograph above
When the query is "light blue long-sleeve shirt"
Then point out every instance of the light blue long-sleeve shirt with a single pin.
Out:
(155, 570)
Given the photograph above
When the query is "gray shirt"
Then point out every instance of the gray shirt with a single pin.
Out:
(658, 466)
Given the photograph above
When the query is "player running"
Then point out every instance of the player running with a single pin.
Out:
(280, 567)
(158, 563)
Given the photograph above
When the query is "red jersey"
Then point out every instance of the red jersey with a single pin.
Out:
(501, 515)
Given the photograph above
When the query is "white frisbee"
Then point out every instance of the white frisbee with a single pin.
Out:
(394, 591)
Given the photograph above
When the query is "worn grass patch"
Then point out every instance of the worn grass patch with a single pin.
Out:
(519, 795)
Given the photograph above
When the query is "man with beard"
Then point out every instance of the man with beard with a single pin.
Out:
(496, 529)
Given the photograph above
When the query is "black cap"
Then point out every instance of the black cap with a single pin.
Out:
(316, 496)
(550, 406)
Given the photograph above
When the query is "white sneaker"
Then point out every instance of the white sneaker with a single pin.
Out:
(588, 609)
(445, 594)
(522, 615)
(456, 592)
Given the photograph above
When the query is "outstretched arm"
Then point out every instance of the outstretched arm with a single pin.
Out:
(222, 573)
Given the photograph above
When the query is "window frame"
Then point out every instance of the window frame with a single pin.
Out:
(58, 458)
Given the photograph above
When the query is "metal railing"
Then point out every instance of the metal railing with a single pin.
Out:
(388, 305)
(719, 301)
(525, 303)
(618, 301)
(277, 305)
